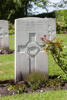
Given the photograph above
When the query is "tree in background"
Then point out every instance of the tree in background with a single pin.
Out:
(12, 9)
(50, 4)
(61, 19)
(6, 6)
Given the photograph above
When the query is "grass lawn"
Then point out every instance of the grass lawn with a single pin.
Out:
(7, 62)
(50, 95)
(11, 42)
(6, 67)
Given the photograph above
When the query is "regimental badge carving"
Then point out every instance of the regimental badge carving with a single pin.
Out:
(31, 48)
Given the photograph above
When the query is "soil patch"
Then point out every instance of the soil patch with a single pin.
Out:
(5, 89)
(6, 51)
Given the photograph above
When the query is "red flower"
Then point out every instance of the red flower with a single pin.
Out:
(43, 38)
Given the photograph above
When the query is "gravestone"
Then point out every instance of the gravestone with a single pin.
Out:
(29, 55)
(4, 37)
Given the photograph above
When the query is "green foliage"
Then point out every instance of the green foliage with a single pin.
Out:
(61, 16)
(47, 3)
(17, 88)
(36, 79)
(48, 15)
(11, 31)
(63, 77)
(11, 28)
(6, 7)
(61, 19)
(12, 9)
(55, 83)
(55, 48)
(41, 3)
(48, 95)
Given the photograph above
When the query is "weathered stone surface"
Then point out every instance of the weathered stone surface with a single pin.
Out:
(51, 28)
(29, 55)
(4, 37)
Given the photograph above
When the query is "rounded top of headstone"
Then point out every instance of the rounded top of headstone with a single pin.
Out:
(30, 19)
(35, 19)
(3, 21)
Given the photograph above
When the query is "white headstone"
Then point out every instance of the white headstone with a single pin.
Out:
(29, 55)
(4, 37)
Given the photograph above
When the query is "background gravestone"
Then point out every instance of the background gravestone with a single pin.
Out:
(4, 37)
(29, 55)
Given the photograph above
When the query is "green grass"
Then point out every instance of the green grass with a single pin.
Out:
(7, 62)
(6, 67)
(51, 95)
(11, 41)
(62, 37)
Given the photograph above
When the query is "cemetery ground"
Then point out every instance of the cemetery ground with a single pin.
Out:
(7, 76)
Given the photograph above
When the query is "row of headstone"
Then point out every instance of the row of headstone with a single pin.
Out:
(4, 37)
(29, 55)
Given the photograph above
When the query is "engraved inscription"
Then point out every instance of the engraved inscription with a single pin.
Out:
(32, 37)
(32, 51)
(2, 32)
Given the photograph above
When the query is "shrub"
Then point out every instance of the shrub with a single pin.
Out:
(11, 31)
(11, 28)
(56, 83)
(36, 79)
(56, 49)
(61, 28)
(17, 88)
